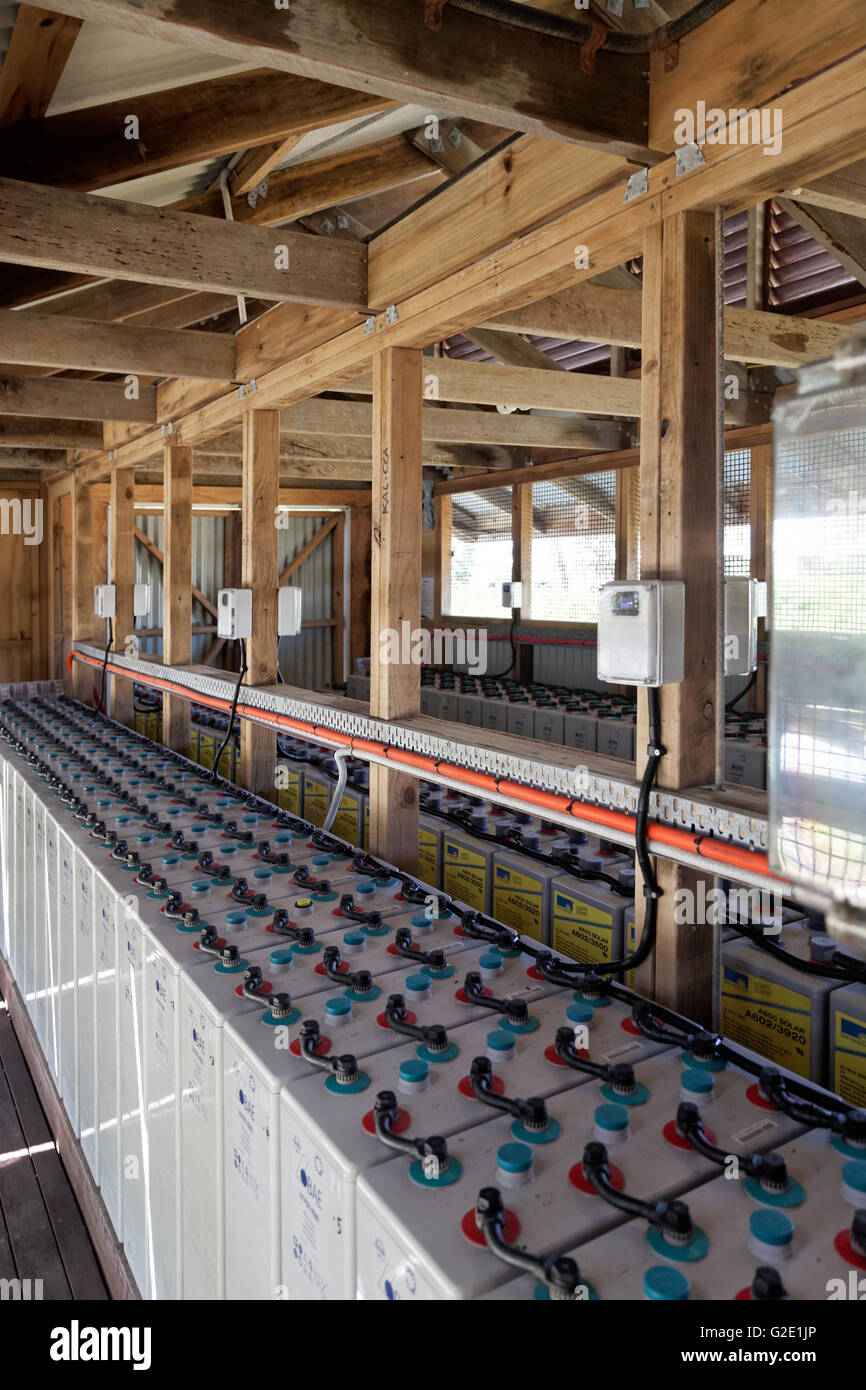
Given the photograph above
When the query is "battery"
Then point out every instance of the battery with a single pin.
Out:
(521, 893)
(615, 737)
(469, 709)
(587, 919)
(467, 868)
(349, 821)
(447, 706)
(494, 715)
(548, 724)
(801, 1234)
(579, 730)
(290, 788)
(328, 1139)
(429, 849)
(317, 795)
(520, 719)
(256, 1063)
(848, 1043)
(774, 1008)
(405, 1252)
(745, 763)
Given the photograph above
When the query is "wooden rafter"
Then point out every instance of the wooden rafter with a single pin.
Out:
(34, 61)
(44, 340)
(488, 71)
(88, 148)
(305, 188)
(84, 234)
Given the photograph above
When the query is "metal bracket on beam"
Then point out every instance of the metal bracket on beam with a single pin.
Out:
(637, 185)
(391, 315)
(433, 13)
(260, 191)
(369, 325)
(689, 157)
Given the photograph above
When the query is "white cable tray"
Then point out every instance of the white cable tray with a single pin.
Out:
(670, 808)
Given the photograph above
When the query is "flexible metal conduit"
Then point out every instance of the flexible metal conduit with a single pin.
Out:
(699, 851)
(578, 31)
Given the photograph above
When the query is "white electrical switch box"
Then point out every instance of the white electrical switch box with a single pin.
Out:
(235, 613)
(141, 600)
(742, 610)
(512, 594)
(289, 611)
(103, 600)
(641, 628)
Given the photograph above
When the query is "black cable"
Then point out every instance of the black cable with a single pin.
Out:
(569, 863)
(241, 673)
(745, 690)
(651, 889)
(513, 662)
(105, 664)
(848, 968)
(280, 677)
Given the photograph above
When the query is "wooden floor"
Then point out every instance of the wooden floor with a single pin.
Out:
(42, 1234)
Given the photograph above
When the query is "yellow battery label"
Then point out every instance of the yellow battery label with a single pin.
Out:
(151, 725)
(768, 1018)
(579, 930)
(464, 874)
(428, 855)
(225, 765)
(849, 1068)
(206, 749)
(518, 901)
(346, 820)
(140, 721)
(289, 795)
(316, 800)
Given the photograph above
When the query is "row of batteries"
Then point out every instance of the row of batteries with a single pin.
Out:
(485, 856)
(297, 1073)
(584, 720)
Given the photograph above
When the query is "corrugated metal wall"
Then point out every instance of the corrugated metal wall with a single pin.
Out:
(208, 547)
(307, 660)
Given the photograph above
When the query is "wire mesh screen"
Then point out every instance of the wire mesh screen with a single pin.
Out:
(573, 546)
(481, 552)
(818, 710)
(738, 531)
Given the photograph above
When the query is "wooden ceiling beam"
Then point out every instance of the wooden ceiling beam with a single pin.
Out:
(475, 66)
(60, 230)
(306, 188)
(844, 191)
(518, 186)
(825, 124)
(34, 61)
(751, 53)
(55, 396)
(90, 148)
(25, 432)
(595, 314)
(43, 340)
(523, 388)
(479, 427)
(32, 459)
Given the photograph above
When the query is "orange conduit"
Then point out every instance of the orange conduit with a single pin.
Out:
(752, 861)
